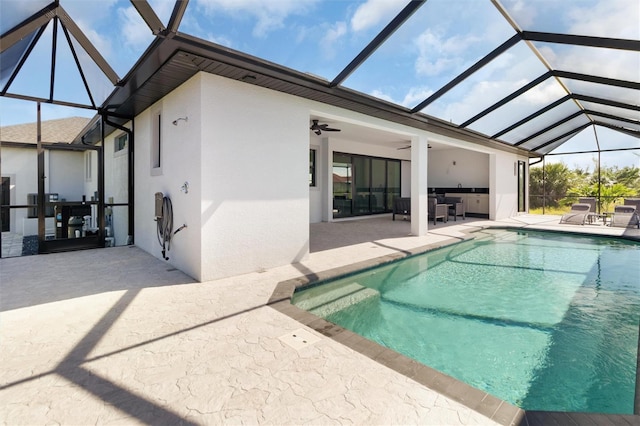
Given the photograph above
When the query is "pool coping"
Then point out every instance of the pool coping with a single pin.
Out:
(480, 401)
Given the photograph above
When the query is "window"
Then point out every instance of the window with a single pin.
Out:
(87, 166)
(120, 142)
(156, 144)
(312, 167)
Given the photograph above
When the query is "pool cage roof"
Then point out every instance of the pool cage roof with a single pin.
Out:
(527, 76)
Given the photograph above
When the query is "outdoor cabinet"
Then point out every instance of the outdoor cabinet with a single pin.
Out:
(473, 203)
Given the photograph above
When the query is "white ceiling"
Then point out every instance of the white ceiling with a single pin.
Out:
(363, 134)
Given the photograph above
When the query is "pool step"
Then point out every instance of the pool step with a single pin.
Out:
(331, 298)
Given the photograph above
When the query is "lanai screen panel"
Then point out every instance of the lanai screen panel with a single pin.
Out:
(599, 18)
(541, 122)
(521, 107)
(317, 37)
(14, 12)
(441, 40)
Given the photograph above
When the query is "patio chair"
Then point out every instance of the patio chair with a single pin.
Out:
(437, 211)
(578, 215)
(401, 206)
(456, 207)
(625, 216)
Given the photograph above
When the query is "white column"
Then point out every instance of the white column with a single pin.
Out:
(419, 189)
(326, 179)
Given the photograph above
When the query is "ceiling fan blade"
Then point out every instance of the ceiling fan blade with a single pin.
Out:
(409, 147)
(319, 128)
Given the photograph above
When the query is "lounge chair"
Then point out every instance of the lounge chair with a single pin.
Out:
(592, 202)
(401, 206)
(437, 211)
(578, 215)
(625, 216)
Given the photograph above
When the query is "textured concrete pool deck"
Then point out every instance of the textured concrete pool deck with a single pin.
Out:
(118, 336)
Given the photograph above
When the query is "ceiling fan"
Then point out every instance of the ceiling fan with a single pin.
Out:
(319, 128)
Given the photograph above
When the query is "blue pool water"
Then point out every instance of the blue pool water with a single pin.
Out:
(545, 321)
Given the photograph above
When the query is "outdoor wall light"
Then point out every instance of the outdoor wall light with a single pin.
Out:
(175, 122)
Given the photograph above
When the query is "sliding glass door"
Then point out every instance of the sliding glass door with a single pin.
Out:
(364, 185)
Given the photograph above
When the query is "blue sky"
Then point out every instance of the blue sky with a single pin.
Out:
(438, 42)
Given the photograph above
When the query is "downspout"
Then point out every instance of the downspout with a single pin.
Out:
(101, 207)
(599, 181)
(41, 178)
(544, 183)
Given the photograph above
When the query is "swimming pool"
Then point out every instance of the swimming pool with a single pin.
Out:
(545, 321)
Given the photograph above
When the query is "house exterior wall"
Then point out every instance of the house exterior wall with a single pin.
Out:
(180, 162)
(471, 168)
(244, 151)
(20, 165)
(65, 175)
(255, 191)
(503, 198)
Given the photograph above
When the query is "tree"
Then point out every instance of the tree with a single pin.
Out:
(557, 181)
(563, 186)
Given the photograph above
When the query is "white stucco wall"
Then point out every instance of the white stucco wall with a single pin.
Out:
(181, 162)
(66, 174)
(255, 192)
(20, 165)
(471, 168)
(244, 151)
(503, 198)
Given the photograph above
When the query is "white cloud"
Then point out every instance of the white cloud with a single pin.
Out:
(381, 95)
(414, 96)
(136, 33)
(522, 11)
(269, 15)
(335, 32)
(331, 37)
(163, 9)
(607, 18)
(544, 93)
(100, 42)
(437, 54)
(372, 12)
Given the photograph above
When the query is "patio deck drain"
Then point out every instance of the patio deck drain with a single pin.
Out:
(298, 339)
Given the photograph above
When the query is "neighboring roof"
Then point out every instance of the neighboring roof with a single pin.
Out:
(62, 130)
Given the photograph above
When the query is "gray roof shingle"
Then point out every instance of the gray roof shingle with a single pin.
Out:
(59, 130)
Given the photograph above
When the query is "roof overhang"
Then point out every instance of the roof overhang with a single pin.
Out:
(169, 62)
